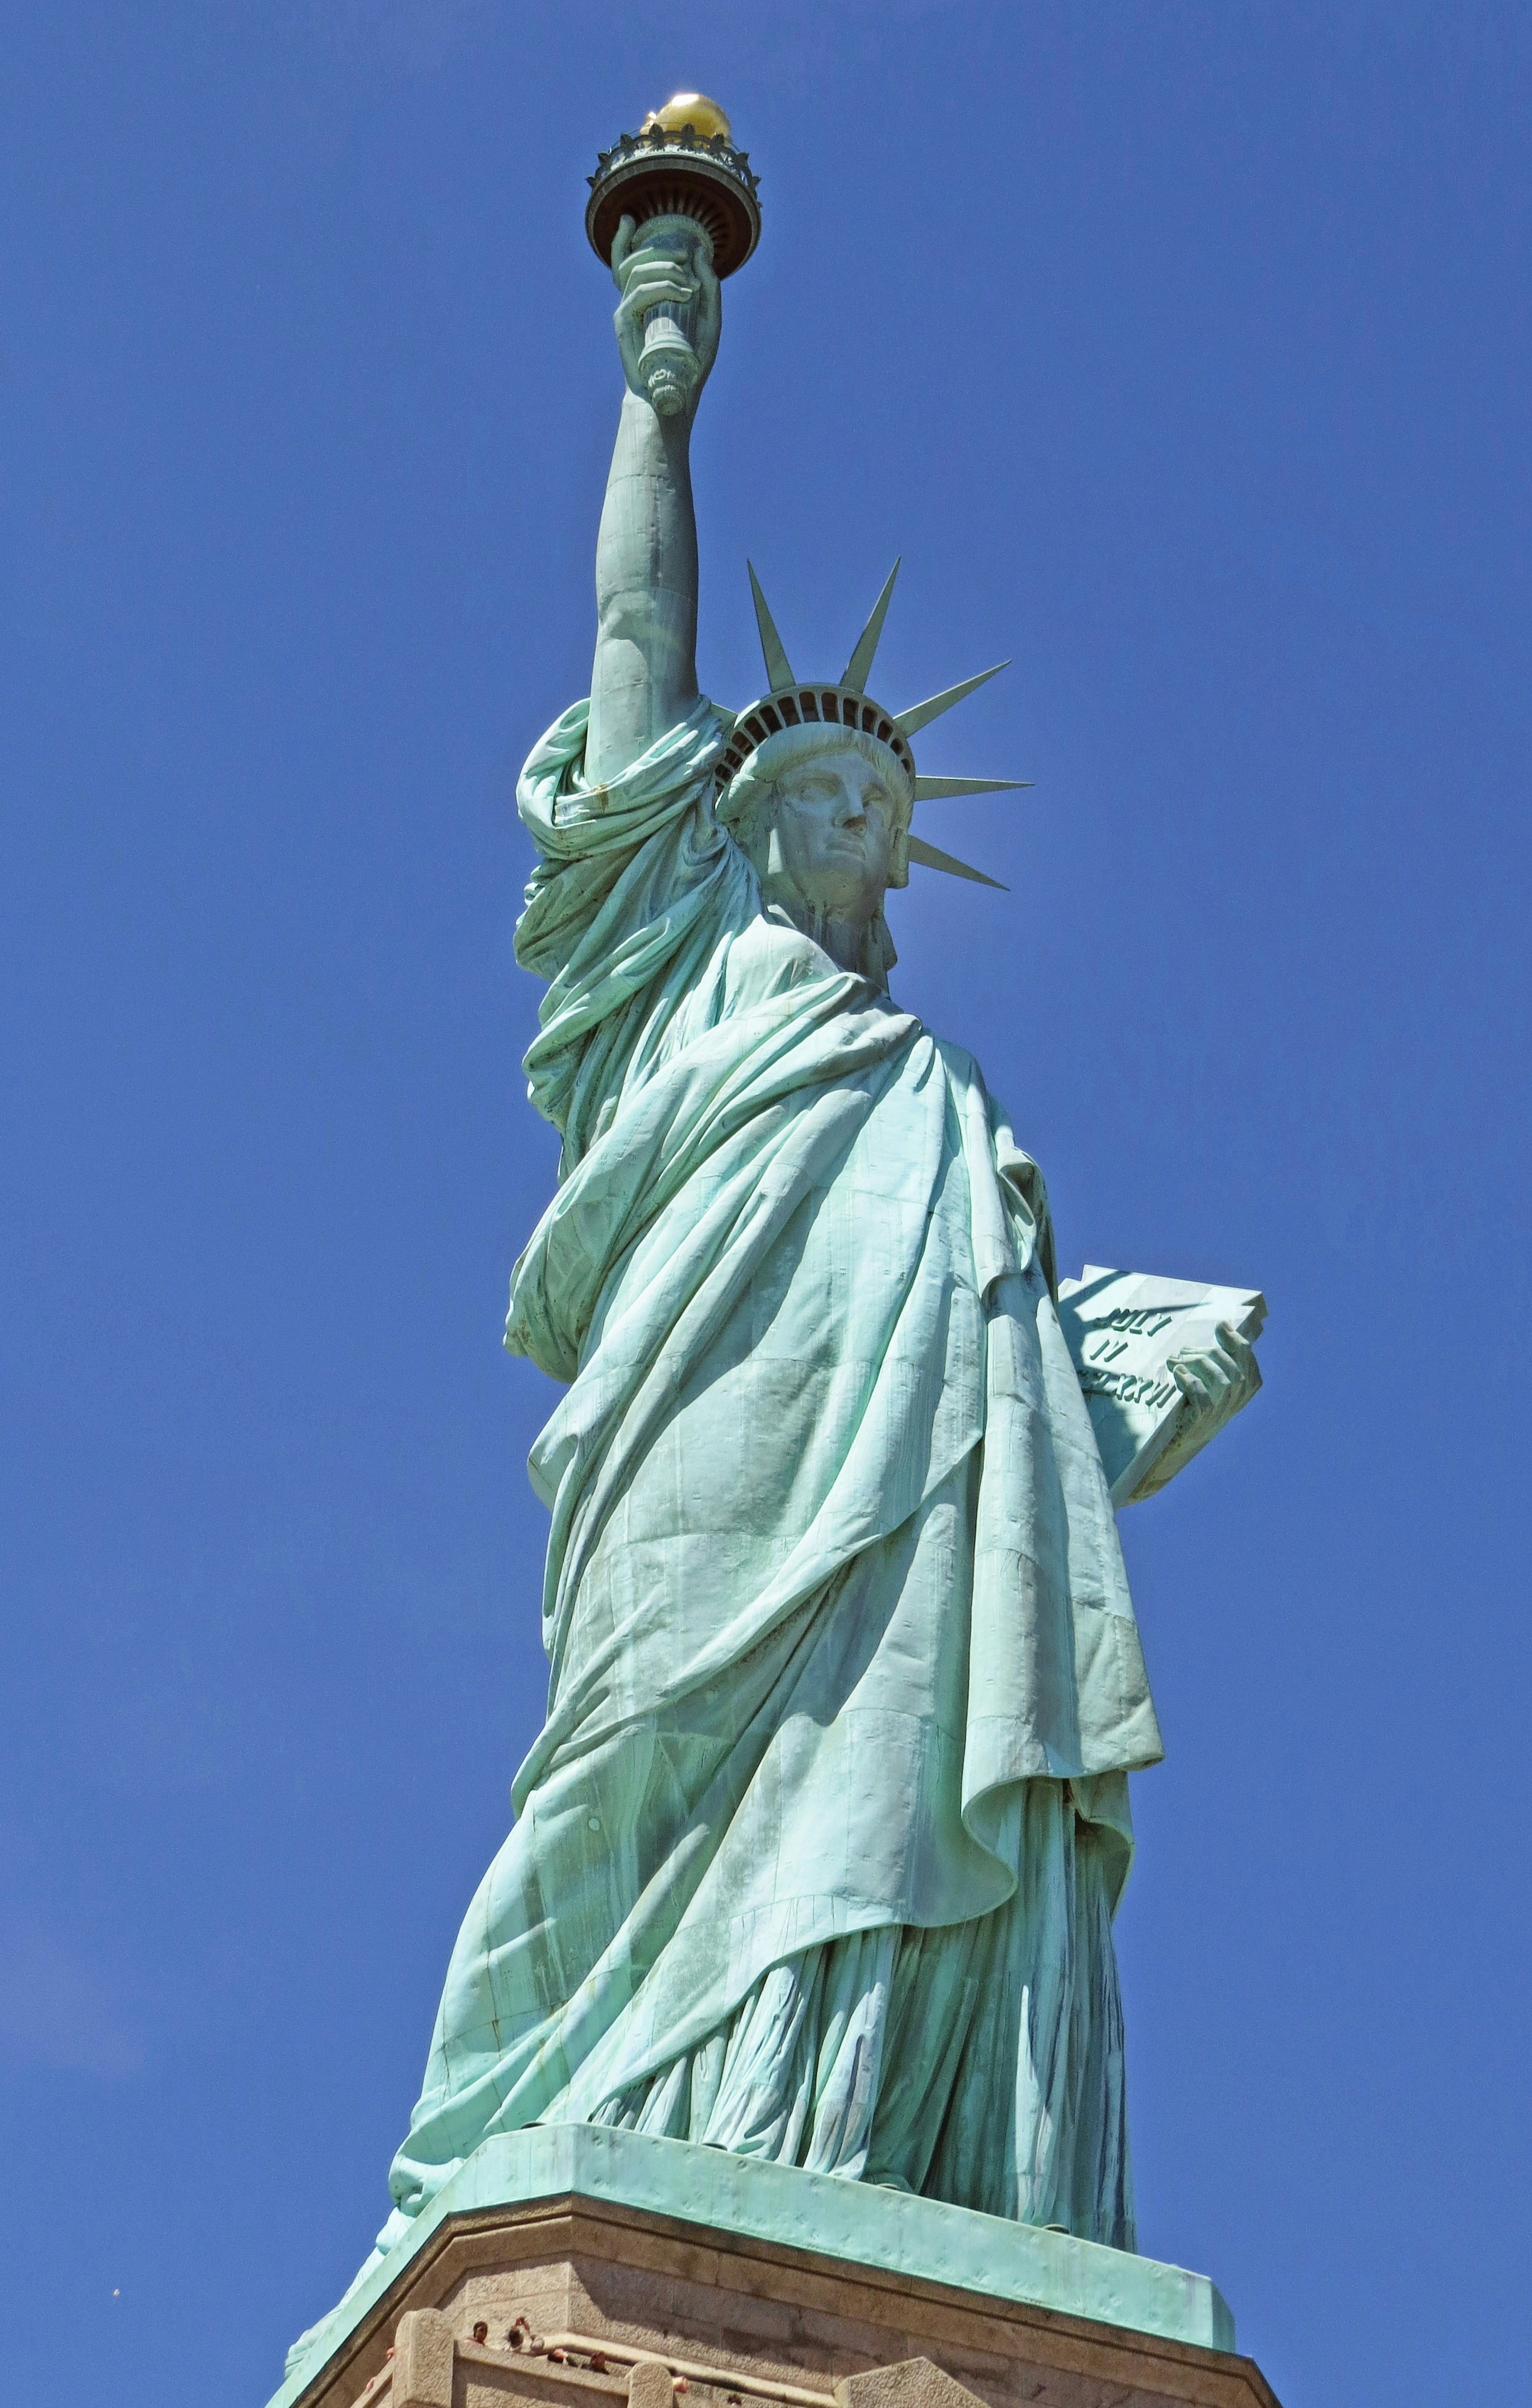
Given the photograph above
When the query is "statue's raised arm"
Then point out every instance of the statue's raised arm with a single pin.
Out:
(644, 677)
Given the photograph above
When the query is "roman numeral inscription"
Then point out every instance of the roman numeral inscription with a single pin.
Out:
(1129, 1387)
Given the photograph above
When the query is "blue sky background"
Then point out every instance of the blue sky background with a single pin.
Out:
(1182, 351)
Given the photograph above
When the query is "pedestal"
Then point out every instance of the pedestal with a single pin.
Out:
(568, 2265)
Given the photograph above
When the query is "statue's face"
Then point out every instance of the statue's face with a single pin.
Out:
(836, 825)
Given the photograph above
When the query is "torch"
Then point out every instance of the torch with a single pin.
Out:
(688, 189)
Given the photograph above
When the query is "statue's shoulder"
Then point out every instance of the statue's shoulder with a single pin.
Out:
(962, 1067)
(769, 956)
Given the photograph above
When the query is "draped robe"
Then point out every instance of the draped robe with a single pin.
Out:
(817, 1853)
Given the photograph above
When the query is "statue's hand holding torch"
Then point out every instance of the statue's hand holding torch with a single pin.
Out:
(670, 314)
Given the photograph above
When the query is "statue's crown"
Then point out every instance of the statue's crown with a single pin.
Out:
(792, 702)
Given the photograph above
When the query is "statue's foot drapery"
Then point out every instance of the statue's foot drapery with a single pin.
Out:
(981, 2062)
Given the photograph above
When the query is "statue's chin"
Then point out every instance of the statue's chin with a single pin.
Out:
(857, 901)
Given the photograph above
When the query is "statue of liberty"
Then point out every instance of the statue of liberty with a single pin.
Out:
(817, 1855)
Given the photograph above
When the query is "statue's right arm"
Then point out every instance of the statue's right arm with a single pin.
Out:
(644, 678)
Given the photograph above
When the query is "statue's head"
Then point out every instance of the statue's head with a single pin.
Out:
(823, 814)
(817, 783)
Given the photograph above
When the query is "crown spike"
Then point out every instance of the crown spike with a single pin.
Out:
(930, 856)
(778, 669)
(859, 668)
(921, 715)
(928, 789)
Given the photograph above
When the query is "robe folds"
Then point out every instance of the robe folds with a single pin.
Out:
(817, 1853)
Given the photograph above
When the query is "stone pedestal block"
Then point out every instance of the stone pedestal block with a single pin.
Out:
(568, 2296)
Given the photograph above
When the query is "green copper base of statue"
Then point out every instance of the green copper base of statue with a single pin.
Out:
(817, 1857)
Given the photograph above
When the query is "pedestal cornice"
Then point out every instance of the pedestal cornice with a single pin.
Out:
(784, 2281)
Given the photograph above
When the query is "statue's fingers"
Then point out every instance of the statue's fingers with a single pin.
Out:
(1189, 1381)
(709, 303)
(646, 257)
(642, 263)
(1214, 1378)
(621, 243)
(642, 258)
(1197, 1357)
(1224, 1367)
(1242, 1355)
(646, 286)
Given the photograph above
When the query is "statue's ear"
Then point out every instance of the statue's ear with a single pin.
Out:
(898, 874)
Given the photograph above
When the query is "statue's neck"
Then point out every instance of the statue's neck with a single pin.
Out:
(847, 940)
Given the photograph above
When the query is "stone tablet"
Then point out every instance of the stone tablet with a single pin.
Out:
(1121, 1328)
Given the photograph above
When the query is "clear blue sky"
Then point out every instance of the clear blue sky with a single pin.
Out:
(1184, 352)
